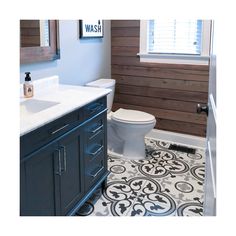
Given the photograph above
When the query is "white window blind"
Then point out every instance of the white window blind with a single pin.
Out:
(175, 36)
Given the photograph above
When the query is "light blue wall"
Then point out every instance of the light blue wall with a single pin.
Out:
(82, 60)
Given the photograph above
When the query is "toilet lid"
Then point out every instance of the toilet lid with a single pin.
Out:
(132, 116)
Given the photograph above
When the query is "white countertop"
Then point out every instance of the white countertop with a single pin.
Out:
(66, 98)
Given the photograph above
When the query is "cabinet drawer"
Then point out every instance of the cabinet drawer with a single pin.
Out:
(95, 167)
(43, 135)
(94, 149)
(95, 128)
(95, 107)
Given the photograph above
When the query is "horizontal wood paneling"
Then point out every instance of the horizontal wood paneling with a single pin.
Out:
(184, 85)
(191, 96)
(125, 41)
(181, 127)
(135, 61)
(125, 32)
(160, 73)
(124, 51)
(125, 23)
(168, 91)
(162, 103)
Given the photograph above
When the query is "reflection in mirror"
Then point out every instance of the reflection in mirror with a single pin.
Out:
(39, 41)
(34, 33)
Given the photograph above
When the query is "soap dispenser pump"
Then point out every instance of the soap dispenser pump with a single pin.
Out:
(28, 86)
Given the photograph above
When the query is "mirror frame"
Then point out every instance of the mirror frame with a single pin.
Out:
(39, 54)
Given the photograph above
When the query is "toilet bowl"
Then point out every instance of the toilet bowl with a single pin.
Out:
(126, 128)
(130, 126)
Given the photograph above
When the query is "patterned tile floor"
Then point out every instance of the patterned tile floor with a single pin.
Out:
(168, 183)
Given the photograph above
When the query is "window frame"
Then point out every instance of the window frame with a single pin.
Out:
(202, 59)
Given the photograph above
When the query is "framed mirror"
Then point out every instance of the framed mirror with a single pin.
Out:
(39, 41)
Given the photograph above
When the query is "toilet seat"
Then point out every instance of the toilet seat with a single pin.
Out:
(132, 117)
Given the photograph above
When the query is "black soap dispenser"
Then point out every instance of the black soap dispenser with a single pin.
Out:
(28, 86)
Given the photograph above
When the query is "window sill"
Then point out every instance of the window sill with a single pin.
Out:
(174, 59)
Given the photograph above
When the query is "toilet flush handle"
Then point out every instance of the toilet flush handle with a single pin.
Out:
(202, 108)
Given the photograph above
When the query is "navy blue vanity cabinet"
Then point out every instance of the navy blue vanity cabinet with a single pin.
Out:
(64, 162)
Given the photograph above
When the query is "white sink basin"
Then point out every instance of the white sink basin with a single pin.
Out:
(32, 106)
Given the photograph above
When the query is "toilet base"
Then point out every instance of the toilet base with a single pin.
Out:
(132, 150)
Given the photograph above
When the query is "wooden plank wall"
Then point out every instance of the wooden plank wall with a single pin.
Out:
(169, 92)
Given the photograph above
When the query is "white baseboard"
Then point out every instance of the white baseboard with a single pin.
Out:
(183, 139)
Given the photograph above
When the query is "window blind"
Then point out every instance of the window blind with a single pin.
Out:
(175, 36)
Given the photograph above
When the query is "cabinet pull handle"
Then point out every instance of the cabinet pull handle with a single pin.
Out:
(64, 158)
(97, 129)
(96, 107)
(97, 172)
(97, 151)
(59, 129)
(59, 162)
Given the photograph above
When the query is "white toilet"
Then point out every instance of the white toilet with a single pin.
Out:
(126, 129)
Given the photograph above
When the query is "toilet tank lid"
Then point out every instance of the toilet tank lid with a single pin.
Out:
(102, 83)
(132, 116)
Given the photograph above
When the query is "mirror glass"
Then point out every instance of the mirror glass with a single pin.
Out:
(34, 33)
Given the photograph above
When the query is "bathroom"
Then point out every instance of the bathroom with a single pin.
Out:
(167, 91)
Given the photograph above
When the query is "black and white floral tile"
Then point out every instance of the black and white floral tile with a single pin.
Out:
(167, 183)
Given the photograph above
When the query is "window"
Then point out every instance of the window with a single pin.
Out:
(175, 41)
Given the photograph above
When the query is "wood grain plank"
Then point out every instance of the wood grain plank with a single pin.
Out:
(125, 23)
(125, 32)
(124, 51)
(189, 96)
(167, 104)
(181, 127)
(160, 73)
(125, 41)
(135, 61)
(183, 85)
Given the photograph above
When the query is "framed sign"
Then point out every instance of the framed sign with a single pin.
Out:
(91, 28)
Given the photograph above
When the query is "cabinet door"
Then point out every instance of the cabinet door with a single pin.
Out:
(37, 182)
(71, 187)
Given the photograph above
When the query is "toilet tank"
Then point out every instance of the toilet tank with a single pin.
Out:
(105, 83)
